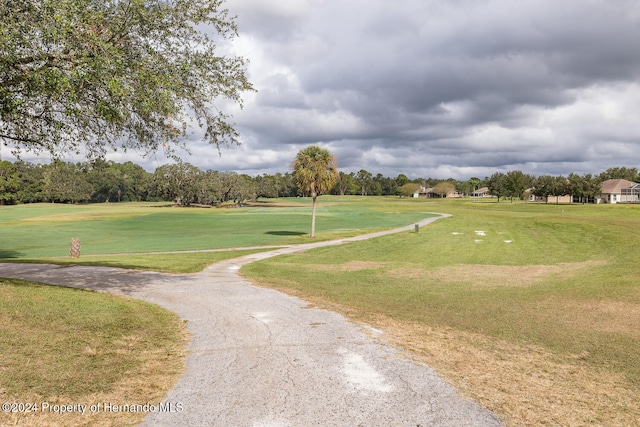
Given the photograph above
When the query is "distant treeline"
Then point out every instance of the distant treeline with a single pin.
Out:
(185, 184)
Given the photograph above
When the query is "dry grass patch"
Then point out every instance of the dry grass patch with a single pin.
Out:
(523, 385)
(605, 316)
(344, 267)
(63, 346)
(493, 275)
(151, 381)
(360, 265)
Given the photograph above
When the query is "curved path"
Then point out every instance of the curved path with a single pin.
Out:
(258, 357)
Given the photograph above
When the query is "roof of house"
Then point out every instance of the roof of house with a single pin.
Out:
(612, 186)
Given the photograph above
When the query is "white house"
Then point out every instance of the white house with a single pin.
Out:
(619, 191)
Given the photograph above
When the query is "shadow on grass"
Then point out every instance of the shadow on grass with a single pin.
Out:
(105, 279)
(9, 254)
(286, 233)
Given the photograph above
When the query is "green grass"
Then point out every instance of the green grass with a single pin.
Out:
(45, 230)
(66, 344)
(63, 342)
(562, 278)
(589, 252)
(191, 262)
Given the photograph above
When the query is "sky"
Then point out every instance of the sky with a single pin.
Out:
(434, 88)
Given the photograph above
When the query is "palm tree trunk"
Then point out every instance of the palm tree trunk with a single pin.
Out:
(313, 217)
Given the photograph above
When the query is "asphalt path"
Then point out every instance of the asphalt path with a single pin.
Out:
(261, 358)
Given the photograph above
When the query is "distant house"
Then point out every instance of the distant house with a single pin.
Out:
(532, 197)
(481, 193)
(424, 192)
(619, 191)
(567, 198)
(631, 194)
(429, 193)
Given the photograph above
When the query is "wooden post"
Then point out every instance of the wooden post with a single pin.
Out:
(75, 247)
(417, 228)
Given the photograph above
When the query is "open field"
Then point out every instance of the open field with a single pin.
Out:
(60, 345)
(45, 230)
(533, 310)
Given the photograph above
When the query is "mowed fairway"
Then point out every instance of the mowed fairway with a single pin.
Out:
(533, 310)
(45, 230)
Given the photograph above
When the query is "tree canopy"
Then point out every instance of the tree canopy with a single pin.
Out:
(443, 188)
(109, 74)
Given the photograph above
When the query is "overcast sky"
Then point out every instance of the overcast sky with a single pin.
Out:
(436, 88)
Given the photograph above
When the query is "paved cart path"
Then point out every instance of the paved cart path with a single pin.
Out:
(258, 357)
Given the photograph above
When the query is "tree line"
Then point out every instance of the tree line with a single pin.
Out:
(584, 188)
(185, 184)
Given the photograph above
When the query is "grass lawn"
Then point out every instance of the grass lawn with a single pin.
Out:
(534, 310)
(188, 262)
(61, 346)
(65, 346)
(45, 230)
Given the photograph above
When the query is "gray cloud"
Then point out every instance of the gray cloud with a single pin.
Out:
(441, 88)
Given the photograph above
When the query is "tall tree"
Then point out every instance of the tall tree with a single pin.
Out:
(474, 183)
(9, 183)
(31, 182)
(315, 170)
(344, 183)
(401, 180)
(577, 186)
(497, 184)
(630, 174)
(516, 183)
(544, 187)
(444, 188)
(560, 187)
(363, 178)
(109, 74)
(66, 183)
(388, 186)
(137, 181)
(592, 187)
(177, 182)
(108, 182)
(409, 189)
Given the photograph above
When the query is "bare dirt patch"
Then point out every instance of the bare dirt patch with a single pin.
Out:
(494, 275)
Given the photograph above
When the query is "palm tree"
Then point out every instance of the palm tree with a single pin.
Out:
(315, 170)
